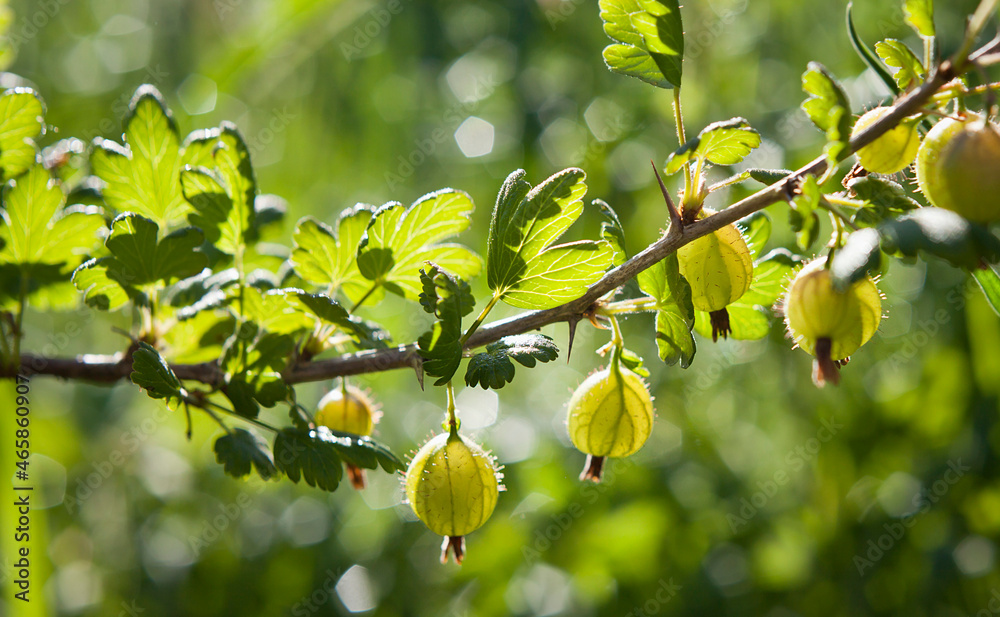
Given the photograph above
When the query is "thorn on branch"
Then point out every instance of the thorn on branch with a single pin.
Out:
(676, 226)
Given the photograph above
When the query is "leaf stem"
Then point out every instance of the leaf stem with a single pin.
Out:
(628, 307)
(482, 317)
(364, 297)
(22, 300)
(682, 139)
(452, 424)
(254, 421)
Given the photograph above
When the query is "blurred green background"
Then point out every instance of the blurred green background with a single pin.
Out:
(757, 493)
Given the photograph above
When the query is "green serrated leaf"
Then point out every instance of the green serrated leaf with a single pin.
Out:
(612, 232)
(896, 55)
(101, 289)
(399, 240)
(151, 373)
(223, 192)
(989, 282)
(860, 256)
(240, 451)
(651, 37)
(140, 259)
(327, 256)
(675, 311)
(441, 346)
(241, 394)
(920, 15)
(144, 175)
(722, 143)
(524, 268)
(882, 193)
(941, 233)
(21, 121)
(828, 108)
(329, 311)
(360, 451)
(756, 230)
(277, 310)
(300, 455)
(494, 369)
(771, 274)
(36, 230)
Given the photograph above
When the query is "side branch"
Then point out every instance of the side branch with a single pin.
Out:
(105, 369)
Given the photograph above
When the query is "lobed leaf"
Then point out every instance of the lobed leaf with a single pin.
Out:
(494, 369)
(327, 256)
(21, 121)
(37, 230)
(143, 176)
(301, 456)
(651, 40)
(360, 451)
(721, 143)
(222, 190)
(399, 240)
(524, 268)
(896, 55)
(151, 373)
(675, 311)
(828, 108)
(920, 15)
(450, 299)
(240, 451)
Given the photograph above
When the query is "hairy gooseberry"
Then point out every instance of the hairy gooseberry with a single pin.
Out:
(719, 268)
(610, 415)
(348, 409)
(452, 485)
(894, 150)
(827, 323)
(957, 167)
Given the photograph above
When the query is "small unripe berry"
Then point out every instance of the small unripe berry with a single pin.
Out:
(957, 168)
(610, 415)
(827, 323)
(894, 150)
(452, 486)
(354, 413)
(719, 268)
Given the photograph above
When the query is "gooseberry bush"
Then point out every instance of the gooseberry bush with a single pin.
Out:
(167, 228)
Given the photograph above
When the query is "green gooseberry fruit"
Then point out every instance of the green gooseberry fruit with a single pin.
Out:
(348, 409)
(719, 268)
(610, 415)
(892, 152)
(957, 168)
(827, 323)
(452, 486)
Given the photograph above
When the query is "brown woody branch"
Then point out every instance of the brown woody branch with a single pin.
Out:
(105, 369)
